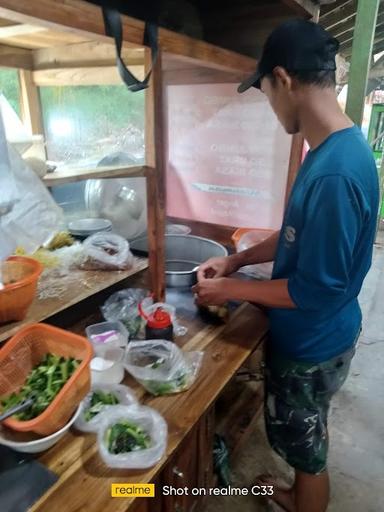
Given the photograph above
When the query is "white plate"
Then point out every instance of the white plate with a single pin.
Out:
(177, 229)
(89, 226)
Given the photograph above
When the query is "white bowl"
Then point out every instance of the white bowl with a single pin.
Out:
(41, 444)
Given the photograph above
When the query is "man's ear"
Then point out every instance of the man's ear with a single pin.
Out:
(282, 77)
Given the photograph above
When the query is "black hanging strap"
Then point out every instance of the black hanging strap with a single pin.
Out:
(114, 28)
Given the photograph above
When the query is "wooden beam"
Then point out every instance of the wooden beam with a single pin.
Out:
(83, 76)
(326, 10)
(86, 19)
(12, 57)
(296, 153)
(200, 76)
(346, 38)
(75, 175)
(361, 58)
(338, 17)
(88, 54)
(346, 47)
(155, 155)
(344, 32)
(295, 159)
(19, 30)
(306, 8)
(30, 103)
(378, 48)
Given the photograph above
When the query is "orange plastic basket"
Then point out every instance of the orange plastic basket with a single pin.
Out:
(20, 276)
(24, 351)
(239, 233)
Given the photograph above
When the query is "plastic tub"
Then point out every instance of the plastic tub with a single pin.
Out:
(107, 334)
(245, 238)
(255, 235)
(107, 367)
(24, 351)
(20, 276)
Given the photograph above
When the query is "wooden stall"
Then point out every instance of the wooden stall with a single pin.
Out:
(58, 42)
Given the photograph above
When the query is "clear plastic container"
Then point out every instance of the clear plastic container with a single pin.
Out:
(107, 365)
(107, 334)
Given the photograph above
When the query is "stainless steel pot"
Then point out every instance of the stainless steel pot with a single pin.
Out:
(183, 253)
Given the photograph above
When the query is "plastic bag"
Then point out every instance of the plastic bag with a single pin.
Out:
(106, 251)
(145, 418)
(8, 189)
(30, 218)
(221, 464)
(124, 395)
(148, 308)
(261, 270)
(161, 367)
(123, 306)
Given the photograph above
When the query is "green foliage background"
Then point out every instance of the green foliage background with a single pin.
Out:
(9, 86)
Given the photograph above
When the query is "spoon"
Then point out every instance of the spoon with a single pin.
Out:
(17, 408)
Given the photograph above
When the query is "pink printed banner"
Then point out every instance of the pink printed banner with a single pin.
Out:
(227, 157)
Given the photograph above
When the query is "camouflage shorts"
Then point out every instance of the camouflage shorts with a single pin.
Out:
(297, 401)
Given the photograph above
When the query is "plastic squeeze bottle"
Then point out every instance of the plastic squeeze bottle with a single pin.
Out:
(159, 326)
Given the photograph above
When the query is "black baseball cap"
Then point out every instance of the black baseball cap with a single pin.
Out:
(296, 45)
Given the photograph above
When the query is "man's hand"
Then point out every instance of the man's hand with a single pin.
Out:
(211, 292)
(215, 268)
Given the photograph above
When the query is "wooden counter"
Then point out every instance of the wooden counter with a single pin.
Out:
(85, 481)
(71, 289)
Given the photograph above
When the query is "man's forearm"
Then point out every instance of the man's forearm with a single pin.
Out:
(273, 294)
(260, 253)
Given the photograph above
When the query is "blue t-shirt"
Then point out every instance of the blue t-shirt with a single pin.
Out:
(325, 248)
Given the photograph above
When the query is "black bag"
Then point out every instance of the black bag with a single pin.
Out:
(147, 10)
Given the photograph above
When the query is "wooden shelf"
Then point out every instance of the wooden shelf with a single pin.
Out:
(86, 21)
(73, 175)
(78, 286)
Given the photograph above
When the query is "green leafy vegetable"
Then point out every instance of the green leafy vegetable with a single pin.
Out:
(157, 364)
(42, 385)
(133, 325)
(99, 399)
(124, 437)
(166, 387)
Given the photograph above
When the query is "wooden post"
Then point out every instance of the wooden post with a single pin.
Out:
(297, 145)
(30, 103)
(156, 159)
(294, 164)
(361, 58)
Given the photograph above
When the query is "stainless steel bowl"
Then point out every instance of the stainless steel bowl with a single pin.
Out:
(183, 253)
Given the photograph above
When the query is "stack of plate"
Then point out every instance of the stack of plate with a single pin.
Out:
(87, 227)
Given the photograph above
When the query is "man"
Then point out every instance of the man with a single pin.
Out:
(322, 254)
